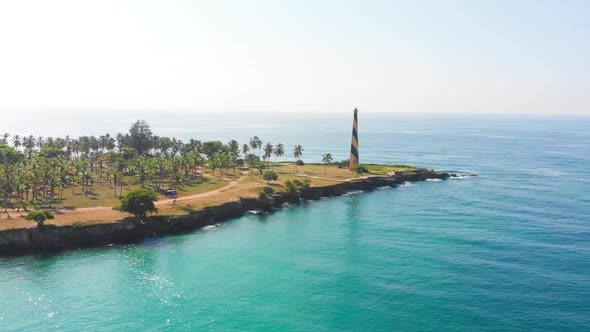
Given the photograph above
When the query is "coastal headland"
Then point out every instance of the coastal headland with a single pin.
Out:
(59, 192)
(51, 237)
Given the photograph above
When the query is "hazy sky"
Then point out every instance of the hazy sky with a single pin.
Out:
(382, 56)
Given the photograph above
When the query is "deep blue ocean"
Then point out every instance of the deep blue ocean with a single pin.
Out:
(506, 251)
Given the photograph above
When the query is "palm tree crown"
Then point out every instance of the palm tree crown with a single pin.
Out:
(268, 149)
(298, 151)
(279, 150)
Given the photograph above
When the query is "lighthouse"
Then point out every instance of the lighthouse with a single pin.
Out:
(354, 146)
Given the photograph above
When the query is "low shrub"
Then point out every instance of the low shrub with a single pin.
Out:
(263, 194)
(342, 164)
(270, 176)
(78, 224)
(297, 185)
(40, 216)
(290, 186)
(360, 169)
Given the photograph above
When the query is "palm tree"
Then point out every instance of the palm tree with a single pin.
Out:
(245, 149)
(253, 144)
(120, 141)
(326, 159)
(29, 144)
(297, 153)
(268, 149)
(109, 143)
(4, 139)
(16, 143)
(258, 144)
(279, 151)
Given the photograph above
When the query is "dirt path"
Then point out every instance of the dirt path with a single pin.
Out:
(232, 184)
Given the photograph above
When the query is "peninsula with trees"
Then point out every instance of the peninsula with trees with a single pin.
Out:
(144, 184)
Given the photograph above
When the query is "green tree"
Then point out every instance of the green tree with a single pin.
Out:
(290, 186)
(51, 152)
(327, 159)
(223, 161)
(256, 143)
(140, 137)
(39, 216)
(343, 163)
(263, 194)
(9, 155)
(16, 142)
(4, 138)
(279, 151)
(268, 150)
(138, 202)
(233, 149)
(297, 153)
(360, 169)
(10, 163)
(270, 176)
(251, 160)
(212, 148)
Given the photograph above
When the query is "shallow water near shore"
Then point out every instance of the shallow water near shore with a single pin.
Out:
(508, 250)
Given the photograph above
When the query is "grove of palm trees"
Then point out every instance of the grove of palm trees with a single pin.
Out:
(64, 173)
(38, 171)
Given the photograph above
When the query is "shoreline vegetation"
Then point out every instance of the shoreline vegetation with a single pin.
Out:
(60, 193)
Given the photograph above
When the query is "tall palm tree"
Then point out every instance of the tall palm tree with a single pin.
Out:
(120, 141)
(253, 143)
(279, 151)
(245, 149)
(258, 144)
(4, 139)
(29, 144)
(110, 143)
(297, 153)
(327, 159)
(16, 142)
(268, 149)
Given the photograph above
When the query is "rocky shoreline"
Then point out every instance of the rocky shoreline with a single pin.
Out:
(50, 238)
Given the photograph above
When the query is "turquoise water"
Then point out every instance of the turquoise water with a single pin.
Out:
(509, 250)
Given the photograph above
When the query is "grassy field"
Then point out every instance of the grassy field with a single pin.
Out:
(375, 169)
(103, 194)
(79, 209)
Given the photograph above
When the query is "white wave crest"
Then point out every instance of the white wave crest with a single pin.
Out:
(461, 176)
(353, 192)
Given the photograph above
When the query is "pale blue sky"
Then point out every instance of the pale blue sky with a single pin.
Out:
(382, 56)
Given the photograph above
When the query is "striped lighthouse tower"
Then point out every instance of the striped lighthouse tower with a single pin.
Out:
(354, 146)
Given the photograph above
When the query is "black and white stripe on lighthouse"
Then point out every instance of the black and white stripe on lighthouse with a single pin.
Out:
(354, 146)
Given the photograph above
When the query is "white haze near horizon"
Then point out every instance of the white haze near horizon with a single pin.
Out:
(211, 125)
(86, 57)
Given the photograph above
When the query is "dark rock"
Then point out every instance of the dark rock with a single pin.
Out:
(129, 230)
